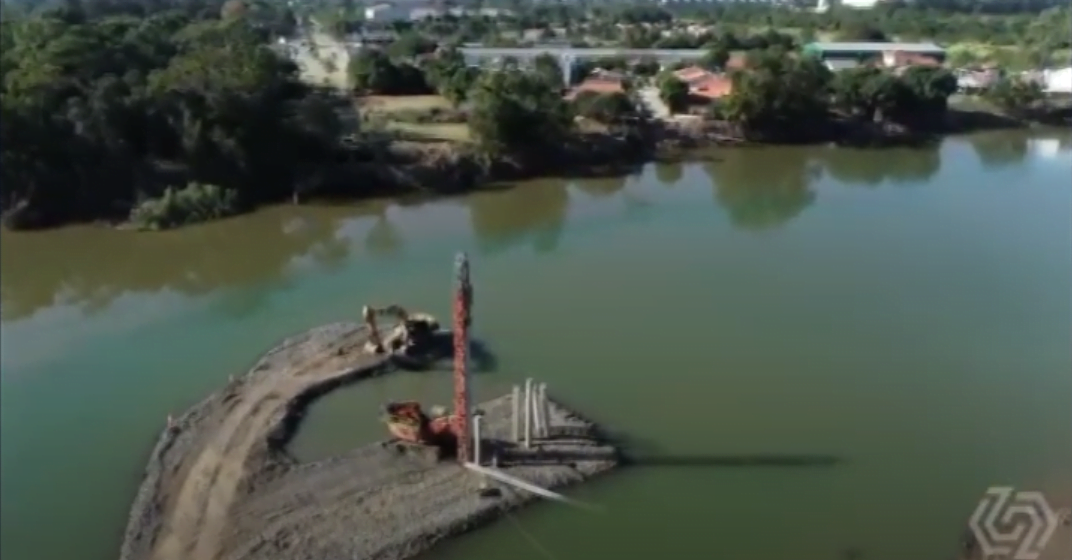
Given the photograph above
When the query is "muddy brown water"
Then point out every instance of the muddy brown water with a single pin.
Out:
(906, 312)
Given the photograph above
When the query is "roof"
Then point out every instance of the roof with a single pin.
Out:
(711, 87)
(877, 47)
(601, 74)
(596, 85)
(691, 73)
(836, 65)
(914, 59)
(688, 70)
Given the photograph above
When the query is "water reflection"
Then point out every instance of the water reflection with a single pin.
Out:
(602, 187)
(669, 174)
(93, 266)
(535, 213)
(875, 167)
(757, 188)
(760, 192)
(383, 239)
(999, 149)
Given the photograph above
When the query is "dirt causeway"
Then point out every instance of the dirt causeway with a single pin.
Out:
(220, 485)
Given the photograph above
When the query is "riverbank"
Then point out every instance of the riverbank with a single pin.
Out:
(220, 482)
(842, 130)
(391, 164)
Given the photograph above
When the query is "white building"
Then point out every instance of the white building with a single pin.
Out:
(416, 11)
(824, 5)
(387, 12)
(1058, 81)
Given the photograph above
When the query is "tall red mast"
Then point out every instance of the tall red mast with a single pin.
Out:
(463, 300)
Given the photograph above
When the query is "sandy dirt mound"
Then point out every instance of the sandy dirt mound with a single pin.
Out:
(220, 486)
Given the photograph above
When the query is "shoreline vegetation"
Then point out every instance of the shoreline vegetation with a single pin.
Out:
(206, 121)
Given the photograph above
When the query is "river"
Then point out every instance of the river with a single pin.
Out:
(908, 312)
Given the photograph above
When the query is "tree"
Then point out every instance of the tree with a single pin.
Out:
(548, 68)
(372, 71)
(516, 111)
(931, 87)
(673, 92)
(450, 75)
(646, 68)
(867, 92)
(1015, 96)
(457, 85)
(607, 108)
(95, 108)
(779, 95)
(716, 57)
(913, 97)
(862, 32)
(410, 45)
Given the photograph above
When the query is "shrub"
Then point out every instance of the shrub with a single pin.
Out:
(606, 108)
(196, 202)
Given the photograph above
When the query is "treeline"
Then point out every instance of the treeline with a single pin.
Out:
(787, 98)
(187, 115)
(776, 96)
(1030, 24)
(154, 116)
(510, 110)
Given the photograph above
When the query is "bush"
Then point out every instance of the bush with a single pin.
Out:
(606, 108)
(1015, 96)
(196, 202)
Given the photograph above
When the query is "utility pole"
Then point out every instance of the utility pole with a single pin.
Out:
(463, 300)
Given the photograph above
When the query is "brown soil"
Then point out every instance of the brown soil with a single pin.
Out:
(221, 486)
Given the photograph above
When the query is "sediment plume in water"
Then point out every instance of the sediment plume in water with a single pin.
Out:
(219, 484)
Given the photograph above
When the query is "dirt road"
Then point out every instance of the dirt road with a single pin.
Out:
(199, 489)
(312, 64)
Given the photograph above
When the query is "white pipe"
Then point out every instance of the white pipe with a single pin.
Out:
(516, 425)
(477, 418)
(518, 483)
(538, 411)
(530, 405)
(528, 413)
(545, 410)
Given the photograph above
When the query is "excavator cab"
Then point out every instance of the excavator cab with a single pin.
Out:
(408, 422)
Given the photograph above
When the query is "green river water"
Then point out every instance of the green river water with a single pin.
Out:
(908, 312)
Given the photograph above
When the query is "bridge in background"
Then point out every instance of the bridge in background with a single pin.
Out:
(577, 53)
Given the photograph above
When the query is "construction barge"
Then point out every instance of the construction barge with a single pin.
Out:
(220, 484)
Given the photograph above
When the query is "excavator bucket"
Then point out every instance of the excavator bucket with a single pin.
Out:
(406, 421)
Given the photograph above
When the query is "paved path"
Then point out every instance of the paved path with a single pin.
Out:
(649, 96)
(312, 65)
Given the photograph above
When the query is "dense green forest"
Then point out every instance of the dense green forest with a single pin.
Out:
(169, 111)
(1002, 32)
(105, 106)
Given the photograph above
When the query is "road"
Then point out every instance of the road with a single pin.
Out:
(204, 488)
(649, 96)
(666, 55)
(313, 66)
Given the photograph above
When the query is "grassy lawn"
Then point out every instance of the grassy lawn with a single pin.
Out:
(445, 132)
(383, 106)
(387, 104)
(1012, 56)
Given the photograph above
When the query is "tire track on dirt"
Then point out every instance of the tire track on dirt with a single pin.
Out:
(201, 508)
(220, 486)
